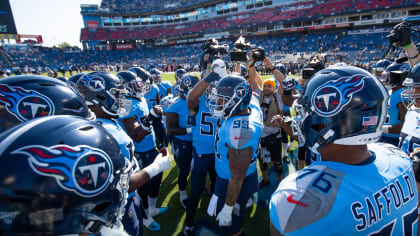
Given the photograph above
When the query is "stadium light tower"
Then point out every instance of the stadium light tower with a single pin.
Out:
(7, 22)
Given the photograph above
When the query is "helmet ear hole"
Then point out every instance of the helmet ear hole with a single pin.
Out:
(101, 207)
(87, 128)
(318, 127)
(102, 98)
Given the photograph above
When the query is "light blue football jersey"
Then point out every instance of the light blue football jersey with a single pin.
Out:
(166, 102)
(125, 142)
(175, 90)
(410, 132)
(180, 107)
(238, 132)
(331, 198)
(151, 96)
(140, 109)
(393, 113)
(163, 89)
(204, 128)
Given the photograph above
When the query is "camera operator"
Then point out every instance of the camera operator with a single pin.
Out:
(212, 51)
(400, 36)
(315, 64)
(273, 141)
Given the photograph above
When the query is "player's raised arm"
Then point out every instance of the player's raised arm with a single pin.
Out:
(218, 68)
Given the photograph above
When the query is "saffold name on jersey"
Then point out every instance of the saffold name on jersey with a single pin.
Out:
(372, 209)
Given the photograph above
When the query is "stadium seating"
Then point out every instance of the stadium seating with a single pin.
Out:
(355, 47)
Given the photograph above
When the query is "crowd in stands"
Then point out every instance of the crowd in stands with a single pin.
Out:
(347, 46)
(311, 10)
(147, 5)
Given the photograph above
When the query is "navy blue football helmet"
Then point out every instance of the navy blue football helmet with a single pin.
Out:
(156, 75)
(144, 76)
(380, 67)
(231, 96)
(289, 83)
(179, 74)
(132, 83)
(102, 89)
(386, 75)
(342, 105)
(410, 97)
(187, 83)
(26, 97)
(60, 175)
(73, 80)
(62, 79)
(282, 68)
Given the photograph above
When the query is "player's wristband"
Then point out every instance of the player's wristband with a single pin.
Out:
(152, 111)
(385, 129)
(287, 92)
(418, 211)
(208, 67)
(145, 127)
(189, 130)
(413, 57)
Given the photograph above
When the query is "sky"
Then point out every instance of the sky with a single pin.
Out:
(56, 20)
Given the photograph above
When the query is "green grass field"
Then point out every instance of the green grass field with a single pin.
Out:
(172, 222)
(168, 77)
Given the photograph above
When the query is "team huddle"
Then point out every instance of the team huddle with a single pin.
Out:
(85, 155)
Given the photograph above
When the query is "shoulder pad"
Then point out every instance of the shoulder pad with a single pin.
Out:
(240, 133)
(387, 148)
(305, 197)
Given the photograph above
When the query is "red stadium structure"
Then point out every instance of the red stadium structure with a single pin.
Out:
(113, 24)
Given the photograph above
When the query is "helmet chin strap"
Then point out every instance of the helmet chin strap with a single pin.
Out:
(234, 107)
(108, 112)
(321, 141)
(117, 230)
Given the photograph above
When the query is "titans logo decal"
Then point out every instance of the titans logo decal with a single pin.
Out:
(83, 170)
(94, 83)
(241, 90)
(187, 82)
(333, 95)
(25, 104)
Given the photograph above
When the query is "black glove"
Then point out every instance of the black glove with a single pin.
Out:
(401, 34)
(160, 133)
(211, 77)
(146, 122)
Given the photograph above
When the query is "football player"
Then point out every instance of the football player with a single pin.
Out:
(151, 92)
(104, 93)
(151, 95)
(237, 142)
(136, 121)
(179, 74)
(178, 125)
(393, 78)
(204, 127)
(410, 132)
(61, 175)
(380, 67)
(26, 97)
(164, 87)
(353, 189)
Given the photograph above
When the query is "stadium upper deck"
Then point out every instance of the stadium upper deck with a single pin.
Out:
(126, 21)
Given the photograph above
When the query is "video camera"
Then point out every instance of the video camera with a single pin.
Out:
(258, 54)
(239, 52)
(401, 34)
(213, 48)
